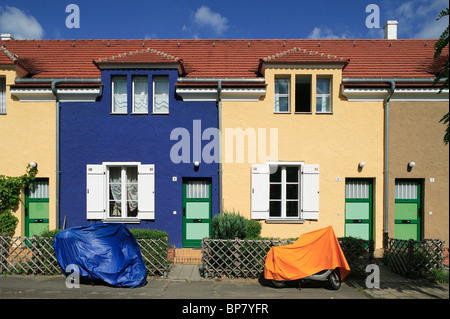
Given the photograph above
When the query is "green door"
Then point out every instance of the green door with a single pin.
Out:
(358, 208)
(37, 207)
(196, 211)
(407, 209)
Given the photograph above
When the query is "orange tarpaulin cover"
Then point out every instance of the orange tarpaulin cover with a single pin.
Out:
(309, 254)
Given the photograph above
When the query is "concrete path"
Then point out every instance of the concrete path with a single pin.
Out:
(185, 282)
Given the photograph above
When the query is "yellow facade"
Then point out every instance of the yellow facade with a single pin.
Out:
(28, 134)
(337, 141)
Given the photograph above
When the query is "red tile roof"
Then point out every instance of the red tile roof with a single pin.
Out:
(139, 56)
(225, 58)
(299, 55)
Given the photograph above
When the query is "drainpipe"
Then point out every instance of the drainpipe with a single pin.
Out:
(219, 113)
(391, 82)
(54, 82)
(219, 116)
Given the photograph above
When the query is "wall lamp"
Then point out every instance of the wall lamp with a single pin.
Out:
(361, 164)
(411, 164)
(33, 164)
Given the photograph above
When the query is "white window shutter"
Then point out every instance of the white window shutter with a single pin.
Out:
(146, 191)
(95, 191)
(260, 191)
(310, 192)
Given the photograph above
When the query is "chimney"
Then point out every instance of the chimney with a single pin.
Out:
(390, 30)
(6, 36)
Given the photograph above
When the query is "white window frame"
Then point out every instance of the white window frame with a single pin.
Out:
(284, 184)
(160, 78)
(98, 192)
(124, 197)
(2, 95)
(113, 78)
(308, 192)
(324, 95)
(278, 95)
(134, 78)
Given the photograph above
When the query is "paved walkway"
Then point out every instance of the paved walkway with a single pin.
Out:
(185, 282)
(393, 286)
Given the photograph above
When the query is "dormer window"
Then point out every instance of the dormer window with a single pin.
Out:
(282, 95)
(301, 96)
(323, 95)
(160, 94)
(140, 95)
(119, 95)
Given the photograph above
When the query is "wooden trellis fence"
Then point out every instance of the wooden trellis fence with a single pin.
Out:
(246, 258)
(236, 258)
(413, 259)
(35, 255)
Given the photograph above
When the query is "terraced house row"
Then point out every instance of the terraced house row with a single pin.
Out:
(297, 134)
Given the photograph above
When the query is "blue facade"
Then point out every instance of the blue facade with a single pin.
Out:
(91, 135)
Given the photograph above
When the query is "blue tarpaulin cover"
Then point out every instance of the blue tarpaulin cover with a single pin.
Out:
(106, 252)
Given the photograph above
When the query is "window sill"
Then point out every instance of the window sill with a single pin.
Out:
(329, 113)
(303, 113)
(132, 220)
(284, 221)
(287, 112)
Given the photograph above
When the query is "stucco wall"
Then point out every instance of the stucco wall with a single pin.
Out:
(28, 135)
(337, 142)
(416, 135)
(91, 135)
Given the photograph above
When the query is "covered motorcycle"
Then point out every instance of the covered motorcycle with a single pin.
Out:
(316, 253)
(105, 252)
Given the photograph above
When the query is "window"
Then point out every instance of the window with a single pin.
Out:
(302, 93)
(281, 95)
(2, 95)
(123, 191)
(285, 192)
(120, 191)
(119, 95)
(140, 94)
(161, 95)
(323, 96)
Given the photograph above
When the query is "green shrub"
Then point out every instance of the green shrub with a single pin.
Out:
(253, 229)
(229, 225)
(49, 233)
(149, 234)
(8, 223)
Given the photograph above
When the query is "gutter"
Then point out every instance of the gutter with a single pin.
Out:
(391, 82)
(54, 82)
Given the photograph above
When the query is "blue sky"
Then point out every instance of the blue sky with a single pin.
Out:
(207, 19)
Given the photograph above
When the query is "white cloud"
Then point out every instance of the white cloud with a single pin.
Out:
(324, 32)
(19, 24)
(204, 17)
(417, 18)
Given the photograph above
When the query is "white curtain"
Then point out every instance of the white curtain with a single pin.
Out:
(140, 98)
(132, 191)
(115, 190)
(161, 95)
(120, 95)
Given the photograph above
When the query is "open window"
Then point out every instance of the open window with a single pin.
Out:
(303, 94)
